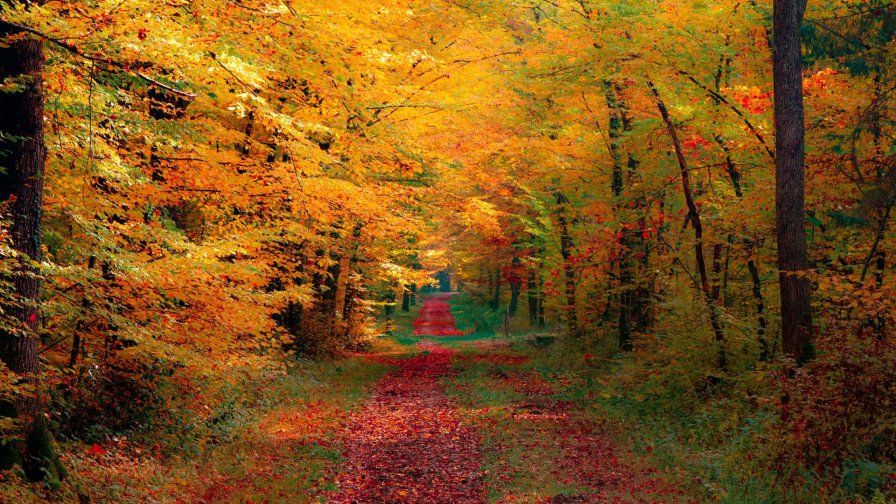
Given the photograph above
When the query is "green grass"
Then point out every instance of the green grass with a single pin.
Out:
(511, 465)
(445, 340)
(403, 321)
(718, 445)
(473, 318)
(307, 461)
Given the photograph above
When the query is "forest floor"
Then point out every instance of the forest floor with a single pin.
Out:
(452, 421)
(443, 411)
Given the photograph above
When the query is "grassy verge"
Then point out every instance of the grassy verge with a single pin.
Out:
(294, 450)
(514, 470)
(283, 445)
(475, 319)
(716, 444)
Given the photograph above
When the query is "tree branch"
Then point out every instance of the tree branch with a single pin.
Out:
(72, 48)
(717, 96)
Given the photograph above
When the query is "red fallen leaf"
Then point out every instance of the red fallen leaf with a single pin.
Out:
(142, 33)
(96, 449)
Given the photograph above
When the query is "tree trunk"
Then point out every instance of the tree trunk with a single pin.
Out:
(515, 280)
(444, 280)
(341, 283)
(623, 261)
(389, 299)
(697, 225)
(568, 272)
(406, 301)
(796, 315)
(764, 349)
(351, 301)
(23, 156)
(532, 298)
(496, 299)
(343, 295)
(717, 272)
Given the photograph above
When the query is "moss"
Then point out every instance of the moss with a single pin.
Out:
(36, 455)
(43, 463)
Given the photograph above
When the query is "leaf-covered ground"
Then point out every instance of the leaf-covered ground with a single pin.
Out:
(541, 446)
(441, 420)
(408, 443)
(414, 442)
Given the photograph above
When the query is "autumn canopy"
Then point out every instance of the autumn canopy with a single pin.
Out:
(672, 217)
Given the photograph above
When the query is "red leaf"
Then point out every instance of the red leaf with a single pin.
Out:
(96, 449)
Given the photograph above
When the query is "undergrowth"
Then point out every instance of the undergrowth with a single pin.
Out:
(233, 454)
(719, 434)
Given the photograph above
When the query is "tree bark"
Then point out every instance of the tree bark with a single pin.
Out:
(568, 272)
(764, 349)
(514, 280)
(532, 298)
(406, 301)
(496, 293)
(796, 314)
(623, 261)
(697, 225)
(23, 156)
(343, 296)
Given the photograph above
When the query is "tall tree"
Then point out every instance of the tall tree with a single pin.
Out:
(569, 275)
(796, 316)
(23, 159)
(693, 217)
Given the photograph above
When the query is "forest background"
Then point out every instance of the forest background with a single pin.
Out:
(234, 187)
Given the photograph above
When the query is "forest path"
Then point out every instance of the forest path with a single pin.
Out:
(481, 423)
(408, 444)
(435, 317)
(442, 421)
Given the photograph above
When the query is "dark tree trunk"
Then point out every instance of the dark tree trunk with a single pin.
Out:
(623, 262)
(796, 315)
(764, 349)
(726, 298)
(569, 275)
(406, 301)
(76, 346)
(329, 292)
(515, 280)
(717, 272)
(23, 156)
(697, 225)
(532, 298)
(389, 299)
(444, 281)
(514, 298)
(496, 298)
(733, 173)
(351, 301)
